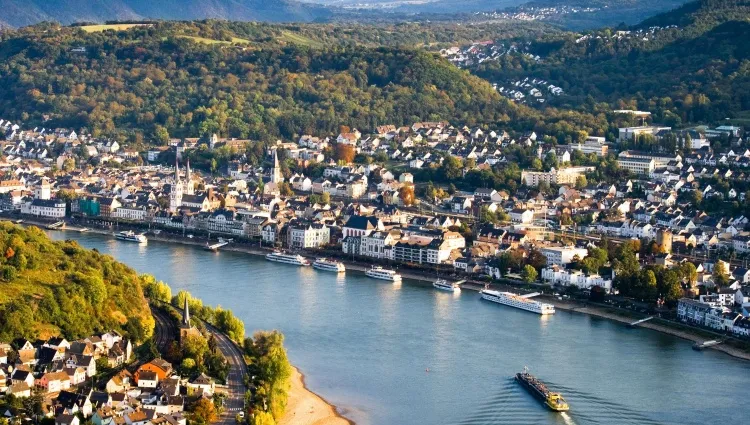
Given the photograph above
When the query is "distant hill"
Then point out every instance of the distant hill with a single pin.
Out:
(19, 13)
(59, 288)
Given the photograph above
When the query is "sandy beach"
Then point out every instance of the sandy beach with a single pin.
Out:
(307, 408)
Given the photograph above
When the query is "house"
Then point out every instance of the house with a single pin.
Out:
(692, 311)
(161, 367)
(66, 419)
(359, 225)
(54, 382)
(147, 379)
(523, 216)
(120, 382)
(202, 382)
(461, 204)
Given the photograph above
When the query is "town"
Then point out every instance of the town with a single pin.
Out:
(106, 379)
(650, 220)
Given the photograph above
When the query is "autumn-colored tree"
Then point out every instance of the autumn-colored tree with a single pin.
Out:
(345, 153)
(406, 193)
(203, 411)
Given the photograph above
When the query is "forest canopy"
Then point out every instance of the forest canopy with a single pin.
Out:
(59, 288)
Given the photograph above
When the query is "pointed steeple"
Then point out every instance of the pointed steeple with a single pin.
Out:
(186, 314)
(176, 169)
(187, 171)
(275, 159)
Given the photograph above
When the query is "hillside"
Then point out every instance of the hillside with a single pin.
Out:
(263, 88)
(18, 13)
(59, 288)
(690, 65)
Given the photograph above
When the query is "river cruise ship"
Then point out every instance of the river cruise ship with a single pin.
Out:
(444, 285)
(538, 389)
(329, 265)
(293, 259)
(517, 301)
(130, 236)
(378, 272)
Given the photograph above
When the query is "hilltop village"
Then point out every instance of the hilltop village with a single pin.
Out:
(653, 219)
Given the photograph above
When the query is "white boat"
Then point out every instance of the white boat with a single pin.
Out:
(517, 301)
(329, 265)
(130, 236)
(378, 272)
(444, 285)
(281, 257)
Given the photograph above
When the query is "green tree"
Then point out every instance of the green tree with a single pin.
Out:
(720, 274)
(161, 135)
(529, 274)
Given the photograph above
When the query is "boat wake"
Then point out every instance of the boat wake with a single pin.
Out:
(513, 405)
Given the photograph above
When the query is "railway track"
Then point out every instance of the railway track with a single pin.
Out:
(164, 331)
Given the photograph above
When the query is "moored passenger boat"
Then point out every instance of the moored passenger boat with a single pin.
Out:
(329, 265)
(281, 257)
(377, 272)
(444, 285)
(130, 236)
(518, 301)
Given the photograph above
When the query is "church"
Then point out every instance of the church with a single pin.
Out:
(180, 187)
(187, 328)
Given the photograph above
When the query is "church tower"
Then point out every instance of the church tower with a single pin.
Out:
(276, 176)
(175, 196)
(186, 314)
(186, 328)
(189, 184)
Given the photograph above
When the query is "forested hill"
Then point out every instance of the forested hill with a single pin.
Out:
(59, 288)
(703, 14)
(19, 13)
(237, 80)
(695, 72)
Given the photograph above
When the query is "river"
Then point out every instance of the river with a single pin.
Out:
(408, 354)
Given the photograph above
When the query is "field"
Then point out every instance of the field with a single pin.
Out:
(115, 27)
(290, 37)
(203, 40)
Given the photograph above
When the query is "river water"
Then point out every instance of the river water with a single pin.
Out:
(366, 346)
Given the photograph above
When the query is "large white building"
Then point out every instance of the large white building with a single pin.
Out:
(629, 133)
(308, 235)
(44, 208)
(562, 176)
(637, 165)
(562, 255)
(560, 276)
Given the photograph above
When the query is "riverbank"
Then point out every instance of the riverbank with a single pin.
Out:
(623, 316)
(304, 407)
(690, 334)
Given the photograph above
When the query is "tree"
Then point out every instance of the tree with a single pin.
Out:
(195, 347)
(325, 198)
(69, 164)
(529, 274)
(720, 274)
(451, 169)
(345, 153)
(203, 411)
(161, 135)
(581, 182)
(262, 418)
(406, 193)
(285, 189)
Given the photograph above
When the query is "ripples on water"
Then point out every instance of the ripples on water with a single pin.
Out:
(513, 404)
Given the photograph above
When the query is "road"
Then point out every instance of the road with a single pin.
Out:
(165, 331)
(235, 400)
